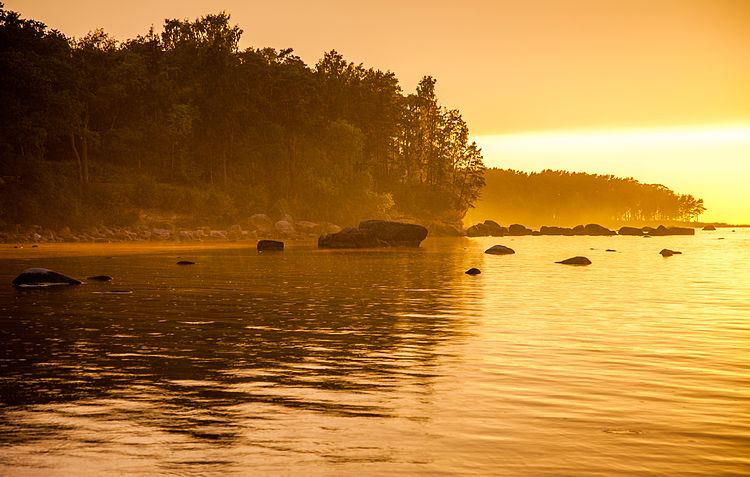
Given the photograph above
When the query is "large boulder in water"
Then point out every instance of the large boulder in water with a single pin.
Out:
(42, 277)
(488, 228)
(662, 230)
(395, 234)
(350, 238)
(375, 233)
(270, 246)
(630, 231)
(596, 229)
(518, 230)
(547, 230)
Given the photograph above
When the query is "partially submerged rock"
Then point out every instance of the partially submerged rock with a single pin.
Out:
(100, 278)
(630, 231)
(500, 250)
(518, 230)
(575, 261)
(395, 234)
(709, 227)
(42, 277)
(473, 271)
(662, 230)
(375, 233)
(270, 246)
(665, 252)
(185, 262)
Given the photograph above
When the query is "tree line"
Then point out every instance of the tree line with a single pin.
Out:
(184, 121)
(570, 198)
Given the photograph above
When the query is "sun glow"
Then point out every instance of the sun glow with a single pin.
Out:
(711, 162)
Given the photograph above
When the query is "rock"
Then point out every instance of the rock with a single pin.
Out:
(576, 261)
(42, 277)
(489, 228)
(596, 229)
(662, 231)
(285, 228)
(270, 246)
(709, 227)
(262, 223)
(473, 271)
(350, 238)
(309, 228)
(545, 230)
(500, 250)
(185, 262)
(630, 231)
(395, 234)
(610, 250)
(518, 230)
(100, 278)
(665, 252)
(478, 230)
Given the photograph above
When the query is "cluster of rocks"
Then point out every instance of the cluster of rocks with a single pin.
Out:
(490, 228)
(255, 227)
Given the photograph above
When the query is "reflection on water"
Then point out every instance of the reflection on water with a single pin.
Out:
(386, 361)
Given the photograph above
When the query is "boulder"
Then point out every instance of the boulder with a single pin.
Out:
(488, 228)
(350, 238)
(545, 230)
(478, 230)
(576, 261)
(473, 271)
(630, 231)
(665, 252)
(709, 228)
(270, 246)
(375, 233)
(42, 277)
(395, 234)
(185, 262)
(261, 222)
(596, 229)
(662, 231)
(285, 228)
(500, 250)
(518, 229)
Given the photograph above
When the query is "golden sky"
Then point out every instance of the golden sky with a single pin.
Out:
(612, 68)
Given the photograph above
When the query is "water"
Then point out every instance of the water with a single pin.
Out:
(320, 362)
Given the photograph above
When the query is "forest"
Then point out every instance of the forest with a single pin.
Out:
(184, 122)
(570, 198)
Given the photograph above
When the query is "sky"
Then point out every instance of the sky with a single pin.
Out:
(658, 90)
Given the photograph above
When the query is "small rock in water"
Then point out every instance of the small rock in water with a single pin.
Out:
(473, 271)
(575, 261)
(42, 277)
(610, 250)
(185, 262)
(100, 278)
(499, 250)
(270, 246)
(668, 253)
(35, 246)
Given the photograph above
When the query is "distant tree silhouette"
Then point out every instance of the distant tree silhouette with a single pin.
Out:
(569, 198)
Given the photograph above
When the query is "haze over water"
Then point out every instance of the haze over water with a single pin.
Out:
(322, 362)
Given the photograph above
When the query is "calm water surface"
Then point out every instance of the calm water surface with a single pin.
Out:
(319, 362)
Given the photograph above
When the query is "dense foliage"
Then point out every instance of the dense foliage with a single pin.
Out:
(94, 130)
(570, 198)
